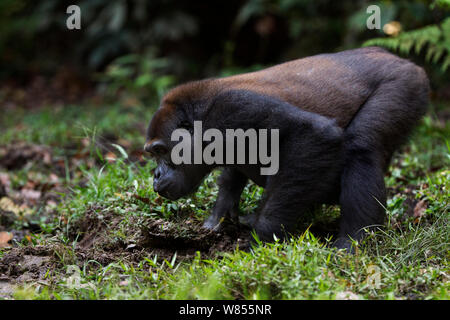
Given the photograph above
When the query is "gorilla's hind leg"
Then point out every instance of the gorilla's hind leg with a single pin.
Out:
(381, 125)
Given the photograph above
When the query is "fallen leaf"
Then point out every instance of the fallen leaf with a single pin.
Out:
(30, 184)
(110, 157)
(53, 178)
(419, 209)
(63, 219)
(346, 295)
(31, 194)
(52, 204)
(5, 184)
(47, 157)
(124, 143)
(121, 196)
(4, 180)
(143, 199)
(7, 204)
(5, 237)
(85, 142)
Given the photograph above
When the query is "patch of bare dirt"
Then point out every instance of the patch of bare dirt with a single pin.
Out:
(66, 86)
(24, 265)
(28, 261)
(143, 237)
(16, 156)
(6, 289)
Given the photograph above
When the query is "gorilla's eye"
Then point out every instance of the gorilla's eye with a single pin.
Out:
(156, 148)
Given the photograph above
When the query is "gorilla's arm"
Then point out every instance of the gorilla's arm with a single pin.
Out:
(309, 166)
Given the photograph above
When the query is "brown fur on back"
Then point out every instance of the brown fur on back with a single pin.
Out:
(333, 85)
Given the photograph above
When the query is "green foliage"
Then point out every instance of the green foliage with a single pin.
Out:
(116, 26)
(109, 29)
(432, 40)
(139, 76)
(445, 4)
(69, 125)
(197, 41)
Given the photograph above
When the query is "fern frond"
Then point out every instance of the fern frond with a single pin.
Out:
(446, 63)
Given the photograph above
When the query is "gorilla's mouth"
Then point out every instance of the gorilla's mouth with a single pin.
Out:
(169, 190)
(173, 191)
(167, 194)
(166, 190)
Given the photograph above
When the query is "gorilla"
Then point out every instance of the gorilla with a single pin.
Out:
(339, 118)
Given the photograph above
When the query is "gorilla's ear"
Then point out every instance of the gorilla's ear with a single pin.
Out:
(185, 124)
(186, 115)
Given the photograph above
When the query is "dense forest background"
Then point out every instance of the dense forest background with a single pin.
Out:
(136, 49)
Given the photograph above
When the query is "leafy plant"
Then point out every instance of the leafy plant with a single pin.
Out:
(434, 40)
(137, 76)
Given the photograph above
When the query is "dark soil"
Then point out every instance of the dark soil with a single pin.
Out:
(25, 264)
(147, 237)
(16, 156)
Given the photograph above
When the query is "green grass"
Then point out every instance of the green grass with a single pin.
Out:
(409, 256)
(63, 127)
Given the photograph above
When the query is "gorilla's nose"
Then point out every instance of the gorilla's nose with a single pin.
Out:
(157, 173)
(156, 179)
(156, 186)
(147, 147)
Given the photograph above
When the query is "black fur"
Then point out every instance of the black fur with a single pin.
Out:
(311, 153)
(320, 162)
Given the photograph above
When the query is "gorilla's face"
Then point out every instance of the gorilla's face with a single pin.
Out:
(174, 182)
(171, 180)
